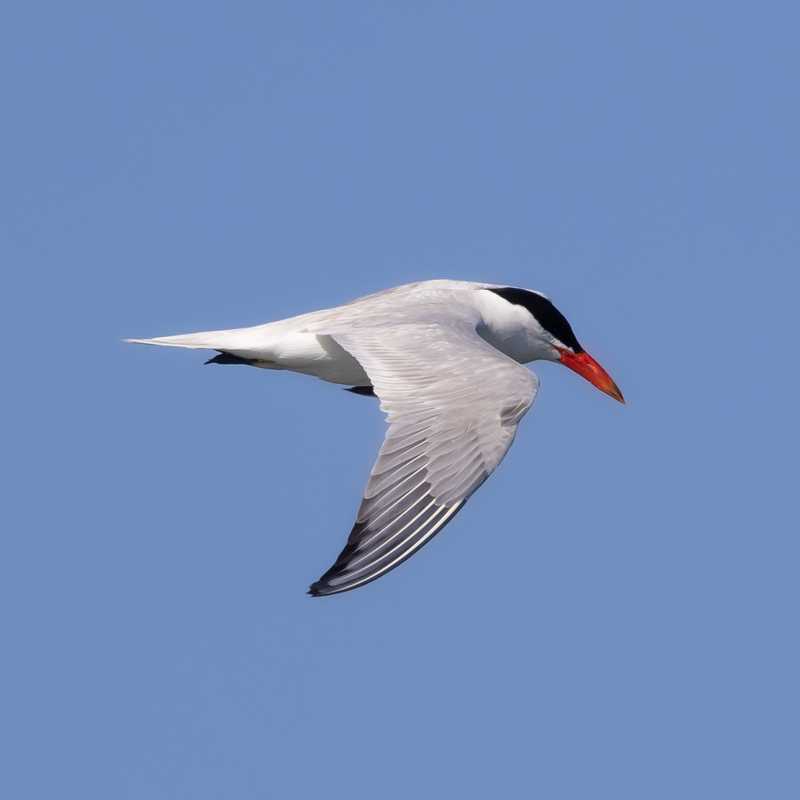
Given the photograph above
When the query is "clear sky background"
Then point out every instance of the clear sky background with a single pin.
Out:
(614, 615)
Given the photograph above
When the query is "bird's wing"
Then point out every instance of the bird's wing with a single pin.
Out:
(453, 403)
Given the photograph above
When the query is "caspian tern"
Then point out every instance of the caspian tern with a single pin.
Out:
(443, 357)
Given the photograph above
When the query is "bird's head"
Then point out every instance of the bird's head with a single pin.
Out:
(551, 337)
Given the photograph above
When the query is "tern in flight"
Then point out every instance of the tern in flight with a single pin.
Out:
(444, 358)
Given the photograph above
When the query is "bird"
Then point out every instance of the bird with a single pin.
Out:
(445, 359)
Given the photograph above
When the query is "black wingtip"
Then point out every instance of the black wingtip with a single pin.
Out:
(228, 358)
(315, 590)
(364, 391)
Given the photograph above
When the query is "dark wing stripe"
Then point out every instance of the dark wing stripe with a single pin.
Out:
(372, 509)
(370, 516)
(363, 535)
(382, 531)
(335, 581)
(420, 490)
(410, 547)
(377, 553)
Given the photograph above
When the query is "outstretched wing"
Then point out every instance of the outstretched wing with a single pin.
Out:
(453, 403)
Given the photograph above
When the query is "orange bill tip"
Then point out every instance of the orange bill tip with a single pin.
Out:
(588, 368)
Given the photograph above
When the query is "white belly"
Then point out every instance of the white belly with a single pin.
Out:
(315, 355)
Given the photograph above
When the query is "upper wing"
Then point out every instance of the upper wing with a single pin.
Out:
(453, 403)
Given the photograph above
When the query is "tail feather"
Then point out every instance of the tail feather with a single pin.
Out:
(204, 340)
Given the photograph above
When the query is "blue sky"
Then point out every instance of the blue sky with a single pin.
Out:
(615, 614)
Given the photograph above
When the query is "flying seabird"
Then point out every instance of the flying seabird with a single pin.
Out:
(444, 358)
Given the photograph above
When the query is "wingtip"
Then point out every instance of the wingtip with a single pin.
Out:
(321, 588)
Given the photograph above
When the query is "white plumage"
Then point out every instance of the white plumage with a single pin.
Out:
(444, 359)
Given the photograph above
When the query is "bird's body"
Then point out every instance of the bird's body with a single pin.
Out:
(307, 344)
(444, 357)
